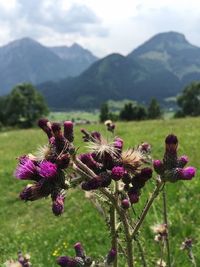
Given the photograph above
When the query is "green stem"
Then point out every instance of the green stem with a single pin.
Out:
(124, 220)
(192, 258)
(147, 207)
(144, 264)
(166, 222)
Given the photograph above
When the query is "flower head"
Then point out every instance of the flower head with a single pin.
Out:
(111, 256)
(171, 143)
(58, 205)
(132, 159)
(187, 173)
(26, 169)
(47, 169)
(68, 131)
(117, 173)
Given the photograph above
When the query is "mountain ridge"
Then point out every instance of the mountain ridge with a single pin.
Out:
(158, 68)
(26, 60)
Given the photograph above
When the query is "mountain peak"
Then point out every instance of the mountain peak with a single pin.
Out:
(163, 42)
(170, 36)
(76, 46)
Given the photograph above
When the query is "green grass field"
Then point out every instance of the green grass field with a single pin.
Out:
(31, 227)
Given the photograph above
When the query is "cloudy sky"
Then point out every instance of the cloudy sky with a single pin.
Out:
(103, 26)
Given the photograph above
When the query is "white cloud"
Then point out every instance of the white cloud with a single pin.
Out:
(104, 26)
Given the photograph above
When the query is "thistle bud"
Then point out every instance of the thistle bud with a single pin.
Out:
(58, 205)
(125, 204)
(158, 166)
(96, 135)
(79, 250)
(45, 125)
(104, 179)
(117, 173)
(111, 256)
(118, 144)
(182, 161)
(133, 195)
(65, 261)
(63, 161)
(146, 173)
(56, 128)
(88, 160)
(68, 131)
(171, 143)
(187, 173)
(92, 184)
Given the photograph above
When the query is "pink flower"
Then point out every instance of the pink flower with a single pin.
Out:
(47, 169)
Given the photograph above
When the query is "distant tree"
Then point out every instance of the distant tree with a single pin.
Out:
(104, 112)
(133, 112)
(2, 110)
(140, 113)
(189, 101)
(154, 111)
(24, 106)
(127, 112)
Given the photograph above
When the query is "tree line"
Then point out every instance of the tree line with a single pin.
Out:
(132, 111)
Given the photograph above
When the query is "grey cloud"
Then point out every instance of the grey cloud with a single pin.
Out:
(76, 19)
(46, 18)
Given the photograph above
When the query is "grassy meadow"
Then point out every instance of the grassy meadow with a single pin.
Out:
(31, 227)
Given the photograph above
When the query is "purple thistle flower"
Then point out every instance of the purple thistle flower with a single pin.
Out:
(88, 160)
(125, 204)
(47, 169)
(146, 173)
(63, 161)
(65, 261)
(182, 161)
(58, 205)
(111, 256)
(104, 179)
(158, 166)
(187, 173)
(171, 143)
(118, 144)
(117, 173)
(145, 147)
(96, 135)
(44, 124)
(26, 170)
(56, 128)
(32, 192)
(133, 195)
(79, 250)
(92, 184)
(68, 131)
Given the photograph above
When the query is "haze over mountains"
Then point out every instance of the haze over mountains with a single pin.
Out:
(159, 68)
(26, 60)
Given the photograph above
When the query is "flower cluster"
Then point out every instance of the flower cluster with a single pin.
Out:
(82, 260)
(109, 162)
(22, 261)
(172, 168)
(47, 168)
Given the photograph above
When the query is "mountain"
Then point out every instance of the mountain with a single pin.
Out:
(172, 51)
(159, 68)
(26, 60)
(114, 77)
